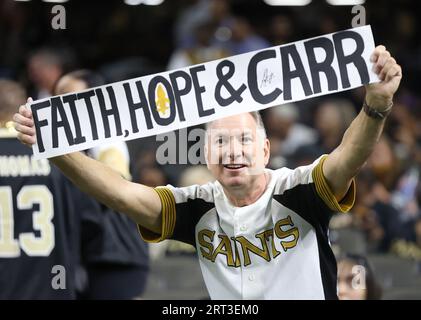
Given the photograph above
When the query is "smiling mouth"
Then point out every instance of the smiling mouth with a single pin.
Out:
(234, 166)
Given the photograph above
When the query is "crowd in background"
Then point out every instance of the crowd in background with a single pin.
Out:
(124, 42)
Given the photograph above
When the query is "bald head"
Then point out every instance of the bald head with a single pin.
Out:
(12, 95)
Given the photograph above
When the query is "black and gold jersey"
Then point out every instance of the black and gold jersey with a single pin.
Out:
(275, 248)
(40, 214)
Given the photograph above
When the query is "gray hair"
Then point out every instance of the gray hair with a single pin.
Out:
(256, 116)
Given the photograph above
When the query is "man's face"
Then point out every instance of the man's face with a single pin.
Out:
(43, 74)
(346, 291)
(236, 151)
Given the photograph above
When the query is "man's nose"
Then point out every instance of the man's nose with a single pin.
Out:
(236, 149)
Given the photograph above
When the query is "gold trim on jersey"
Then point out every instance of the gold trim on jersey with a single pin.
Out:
(168, 217)
(326, 193)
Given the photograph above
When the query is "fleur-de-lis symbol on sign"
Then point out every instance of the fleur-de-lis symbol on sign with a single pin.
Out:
(162, 100)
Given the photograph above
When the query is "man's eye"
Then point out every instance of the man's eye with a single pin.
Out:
(246, 139)
(220, 140)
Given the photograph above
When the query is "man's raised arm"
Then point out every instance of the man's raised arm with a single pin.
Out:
(139, 202)
(342, 164)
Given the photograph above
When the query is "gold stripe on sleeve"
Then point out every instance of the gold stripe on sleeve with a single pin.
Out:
(168, 217)
(326, 193)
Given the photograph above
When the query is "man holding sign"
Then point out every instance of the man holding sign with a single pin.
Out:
(176, 99)
(259, 234)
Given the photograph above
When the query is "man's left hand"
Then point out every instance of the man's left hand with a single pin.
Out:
(380, 95)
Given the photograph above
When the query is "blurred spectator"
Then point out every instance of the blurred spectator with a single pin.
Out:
(332, 118)
(374, 215)
(40, 217)
(304, 155)
(384, 164)
(235, 34)
(12, 24)
(286, 134)
(328, 24)
(244, 39)
(216, 12)
(404, 129)
(195, 175)
(408, 246)
(45, 67)
(404, 196)
(201, 51)
(281, 30)
(114, 255)
(187, 21)
(152, 176)
(356, 279)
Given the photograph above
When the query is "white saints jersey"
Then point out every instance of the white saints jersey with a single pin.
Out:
(275, 248)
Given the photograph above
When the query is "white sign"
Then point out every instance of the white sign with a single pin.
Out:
(176, 99)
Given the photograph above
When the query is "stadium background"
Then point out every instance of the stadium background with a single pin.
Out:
(123, 41)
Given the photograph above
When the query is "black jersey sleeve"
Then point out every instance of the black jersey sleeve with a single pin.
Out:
(182, 208)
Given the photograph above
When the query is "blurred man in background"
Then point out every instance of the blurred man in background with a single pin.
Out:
(40, 212)
(356, 279)
(114, 256)
(45, 67)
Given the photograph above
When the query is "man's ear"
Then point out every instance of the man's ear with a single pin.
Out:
(266, 149)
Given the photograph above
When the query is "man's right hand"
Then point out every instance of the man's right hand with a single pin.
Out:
(24, 125)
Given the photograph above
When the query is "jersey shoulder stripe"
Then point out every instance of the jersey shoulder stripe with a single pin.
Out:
(182, 208)
(168, 217)
(293, 183)
(324, 191)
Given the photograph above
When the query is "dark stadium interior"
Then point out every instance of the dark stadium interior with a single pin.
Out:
(121, 41)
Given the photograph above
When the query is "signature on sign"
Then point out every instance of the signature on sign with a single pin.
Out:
(267, 78)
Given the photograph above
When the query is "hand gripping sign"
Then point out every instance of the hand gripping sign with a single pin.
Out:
(176, 99)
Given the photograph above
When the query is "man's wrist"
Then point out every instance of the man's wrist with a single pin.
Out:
(378, 103)
(377, 113)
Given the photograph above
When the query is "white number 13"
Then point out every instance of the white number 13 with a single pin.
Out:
(41, 221)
